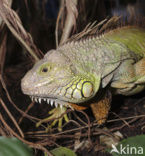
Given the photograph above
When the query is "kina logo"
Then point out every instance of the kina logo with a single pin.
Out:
(127, 150)
(114, 149)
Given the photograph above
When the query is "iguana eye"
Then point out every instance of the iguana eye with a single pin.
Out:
(45, 69)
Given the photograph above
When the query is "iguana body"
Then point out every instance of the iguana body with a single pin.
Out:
(77, 71)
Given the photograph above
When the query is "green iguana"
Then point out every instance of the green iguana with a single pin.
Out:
(75, 72)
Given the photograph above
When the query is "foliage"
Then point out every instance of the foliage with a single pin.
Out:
(62, 151)
(13, 147)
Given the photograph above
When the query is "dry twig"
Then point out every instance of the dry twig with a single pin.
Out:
(13, 22)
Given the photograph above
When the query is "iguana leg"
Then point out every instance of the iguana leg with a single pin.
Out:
(57, 117)
(101, 108)
(131, 79)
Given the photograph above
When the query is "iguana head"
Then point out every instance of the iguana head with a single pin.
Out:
(56, 79)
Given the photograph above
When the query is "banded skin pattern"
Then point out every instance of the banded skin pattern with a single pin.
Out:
(75, 72)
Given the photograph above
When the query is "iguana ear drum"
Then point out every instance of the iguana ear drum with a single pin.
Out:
(87, 89)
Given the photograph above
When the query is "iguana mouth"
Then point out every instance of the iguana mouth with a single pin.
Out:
(51, 101)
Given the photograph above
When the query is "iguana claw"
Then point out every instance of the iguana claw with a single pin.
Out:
(58, 114)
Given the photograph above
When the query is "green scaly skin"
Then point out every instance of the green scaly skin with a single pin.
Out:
(76, 71)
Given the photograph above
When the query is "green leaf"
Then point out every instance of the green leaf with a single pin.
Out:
(132, 146)
(13, 147)
(62, 151)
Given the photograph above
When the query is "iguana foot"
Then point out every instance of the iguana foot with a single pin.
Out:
(57, 115)
(101, 108)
